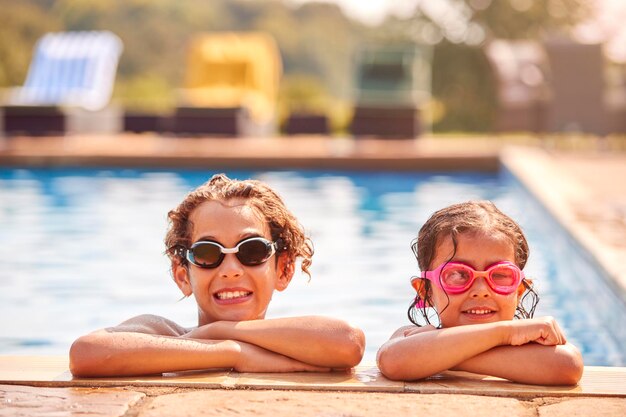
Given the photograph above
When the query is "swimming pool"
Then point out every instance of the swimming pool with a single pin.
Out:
(82, 249)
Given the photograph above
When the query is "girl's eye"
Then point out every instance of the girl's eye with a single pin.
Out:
(456, 277)
(503, 277)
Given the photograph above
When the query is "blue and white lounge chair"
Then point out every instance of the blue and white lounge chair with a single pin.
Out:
(71, 73)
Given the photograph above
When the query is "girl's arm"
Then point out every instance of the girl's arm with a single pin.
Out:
(428, 351)
(531, 363)
(425, 352)
(316, 340)
(153, 345)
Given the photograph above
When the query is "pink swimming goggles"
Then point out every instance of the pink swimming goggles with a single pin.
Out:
(456, 278)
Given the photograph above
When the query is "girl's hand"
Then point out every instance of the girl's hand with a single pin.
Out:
(252, 358)
(542, 330)
(416, 330)
(406, 331)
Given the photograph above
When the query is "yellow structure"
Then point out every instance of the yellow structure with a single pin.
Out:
(234, 70)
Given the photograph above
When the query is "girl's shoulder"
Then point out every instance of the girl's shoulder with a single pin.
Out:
(150, 324)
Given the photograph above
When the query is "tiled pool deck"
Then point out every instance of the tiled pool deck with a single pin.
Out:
(584, 190)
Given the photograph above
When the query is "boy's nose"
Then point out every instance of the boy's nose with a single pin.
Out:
(231, 267)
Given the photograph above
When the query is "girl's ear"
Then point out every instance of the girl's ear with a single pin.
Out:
(285, 268)
(521, 289)
(420, 287)
(181, 277)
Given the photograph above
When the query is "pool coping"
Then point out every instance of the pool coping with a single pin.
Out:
(559, 195)
(52, 371)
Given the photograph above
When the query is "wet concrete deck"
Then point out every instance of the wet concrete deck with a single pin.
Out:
(144, 402)
(583, 188)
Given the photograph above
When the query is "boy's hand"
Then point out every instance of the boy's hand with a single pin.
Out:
(252, 358)
(542, 330)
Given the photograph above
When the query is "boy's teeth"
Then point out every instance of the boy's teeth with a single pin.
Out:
(227, 295)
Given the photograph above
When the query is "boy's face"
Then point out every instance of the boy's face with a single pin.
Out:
(231, 291)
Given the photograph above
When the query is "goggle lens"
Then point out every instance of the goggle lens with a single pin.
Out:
(205, 254)
(254, 252)
(456, 276)
(504, 276)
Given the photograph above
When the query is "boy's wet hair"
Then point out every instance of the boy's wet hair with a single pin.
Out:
(481, 217)
(284, 227)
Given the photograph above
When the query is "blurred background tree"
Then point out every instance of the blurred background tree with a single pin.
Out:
(21, 24)
(316, 40)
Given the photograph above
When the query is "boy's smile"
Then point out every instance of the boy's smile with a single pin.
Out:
(232, 295)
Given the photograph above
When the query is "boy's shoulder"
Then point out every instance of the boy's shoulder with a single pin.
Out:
(150, 324)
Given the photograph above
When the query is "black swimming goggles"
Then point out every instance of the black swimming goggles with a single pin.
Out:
(250, 252)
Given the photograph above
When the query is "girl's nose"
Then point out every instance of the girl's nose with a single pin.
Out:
(231, 267)
(480, 288)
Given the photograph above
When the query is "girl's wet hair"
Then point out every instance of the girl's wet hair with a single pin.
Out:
(284, 227)
(470, 217)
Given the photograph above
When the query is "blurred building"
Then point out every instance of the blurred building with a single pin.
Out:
(555, 86)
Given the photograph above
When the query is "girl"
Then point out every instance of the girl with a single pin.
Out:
(472, 256)
(231, 244)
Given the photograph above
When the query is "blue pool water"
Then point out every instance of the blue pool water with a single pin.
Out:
(82, 249)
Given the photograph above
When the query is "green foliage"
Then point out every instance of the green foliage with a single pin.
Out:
(530, 19)
(145, 92)
(303, 93)
(463, 82)
(21, 24)
(155, 32)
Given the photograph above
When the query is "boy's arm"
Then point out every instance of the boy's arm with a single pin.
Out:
(320, 341)
(531, 363)
(426, 351)
(153, 345)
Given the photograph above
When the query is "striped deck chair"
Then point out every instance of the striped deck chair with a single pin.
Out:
(70, 80)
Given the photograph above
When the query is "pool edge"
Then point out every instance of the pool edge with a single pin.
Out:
(558, 194)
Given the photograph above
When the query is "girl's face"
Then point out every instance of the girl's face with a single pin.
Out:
(479, 304)
(231, 291)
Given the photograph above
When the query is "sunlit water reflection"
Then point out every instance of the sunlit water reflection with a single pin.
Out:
(82, 249)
